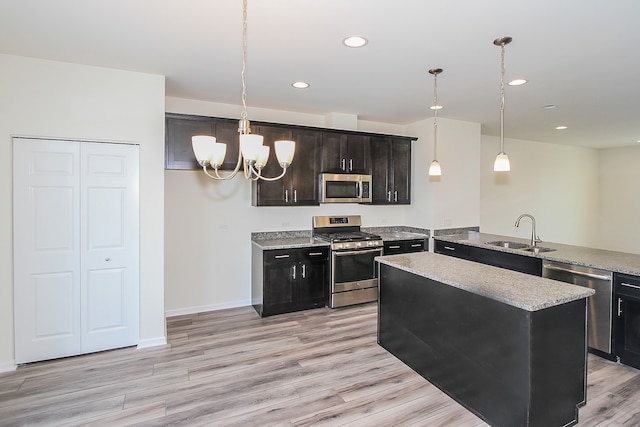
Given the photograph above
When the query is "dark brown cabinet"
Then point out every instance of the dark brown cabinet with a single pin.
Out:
(391, 171)
(287, 280)
(403, 246)
(346, 153)
(508, 260)
(626, 326)
(299, 186)
(179, 129)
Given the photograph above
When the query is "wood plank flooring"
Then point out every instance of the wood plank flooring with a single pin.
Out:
(319, 367)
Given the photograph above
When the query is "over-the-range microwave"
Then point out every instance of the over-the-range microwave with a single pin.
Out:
(345, 188)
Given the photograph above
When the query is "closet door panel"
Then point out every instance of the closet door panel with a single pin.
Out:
(109, 220)
(46, 216)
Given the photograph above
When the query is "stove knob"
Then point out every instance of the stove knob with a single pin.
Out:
(358, 244)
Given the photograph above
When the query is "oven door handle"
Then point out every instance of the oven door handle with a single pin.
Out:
(368, 251)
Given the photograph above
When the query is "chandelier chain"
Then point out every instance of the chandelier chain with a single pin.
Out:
(243, 114)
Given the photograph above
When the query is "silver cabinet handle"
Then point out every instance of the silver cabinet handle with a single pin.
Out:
(416, 245)
(304, 271)
(449, 248)
(395, 196)
(343, 164)
(350, 165)
(286, 196)
(281, 256)
(394, 247)
(629, 285)
(388, 196)
(619, 307)
(293, 276)
(295, 196)
(315, 253)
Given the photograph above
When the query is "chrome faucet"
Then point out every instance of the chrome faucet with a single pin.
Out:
(534, 237)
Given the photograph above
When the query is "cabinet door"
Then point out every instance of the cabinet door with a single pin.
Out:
(279, 192)
(358, 154)
(401, 170)
(280, 271)
(313, 287)
(334, 147)
(178, 133)
(306, 167)
(380, 183)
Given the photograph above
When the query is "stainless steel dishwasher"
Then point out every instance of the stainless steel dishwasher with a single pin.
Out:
(599, 306)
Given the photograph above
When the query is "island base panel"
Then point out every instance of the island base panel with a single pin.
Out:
(507, 365)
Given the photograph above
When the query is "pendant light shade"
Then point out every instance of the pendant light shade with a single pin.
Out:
(502, 160)
(434, 168)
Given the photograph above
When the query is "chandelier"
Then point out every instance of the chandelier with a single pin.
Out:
(252, 154)
(434, 168)
(502, 160)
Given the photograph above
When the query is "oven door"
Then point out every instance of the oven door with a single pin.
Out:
(352, 270)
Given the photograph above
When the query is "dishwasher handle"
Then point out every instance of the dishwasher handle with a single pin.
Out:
(578, 273)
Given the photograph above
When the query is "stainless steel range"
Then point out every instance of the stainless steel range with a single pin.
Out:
(354, 278)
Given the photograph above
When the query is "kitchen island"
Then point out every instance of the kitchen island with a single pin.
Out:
(510, 347)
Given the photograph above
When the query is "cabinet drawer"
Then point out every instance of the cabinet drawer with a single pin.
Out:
(452, 249)
(280, 255)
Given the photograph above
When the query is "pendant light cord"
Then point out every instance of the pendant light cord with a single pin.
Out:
(435, 116)
(243, 113)
(502, 98)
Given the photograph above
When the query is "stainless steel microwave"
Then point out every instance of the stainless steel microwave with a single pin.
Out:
(345, 188)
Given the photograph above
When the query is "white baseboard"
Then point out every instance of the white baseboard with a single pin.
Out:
(152, 342)
(204, 308)
(8, 366)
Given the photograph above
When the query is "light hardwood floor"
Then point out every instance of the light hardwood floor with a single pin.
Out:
(232, 368)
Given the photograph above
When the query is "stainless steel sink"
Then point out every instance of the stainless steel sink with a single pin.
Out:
(538, 249)
(508, 244)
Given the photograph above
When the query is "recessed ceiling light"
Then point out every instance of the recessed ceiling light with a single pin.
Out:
(517, 82)
(436, 107)
(300, 85)
(561, 127)
(354, 41)
(549, 106)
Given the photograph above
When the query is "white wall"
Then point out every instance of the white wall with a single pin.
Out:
(60, 100)
(557, 184)
(619, 219)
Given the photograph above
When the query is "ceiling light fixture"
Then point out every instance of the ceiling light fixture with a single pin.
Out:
(561, 127)
(434, 168)
(502, 160)
(300, 85)
(354, 41)
(208, 152)
(517, 82)
(549, 106)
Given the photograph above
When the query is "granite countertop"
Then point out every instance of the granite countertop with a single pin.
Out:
(520, 290)
(269, 240)
(620, 262)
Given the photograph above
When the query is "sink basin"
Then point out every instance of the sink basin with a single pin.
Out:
(539, 249)
(508, 244)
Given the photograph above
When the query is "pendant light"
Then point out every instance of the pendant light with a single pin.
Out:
(502, 160)
(252, 154)
(434, 168)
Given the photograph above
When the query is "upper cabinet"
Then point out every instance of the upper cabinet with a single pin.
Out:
(390, 171)
(387, 158)
(346, 153)
(179, 129)
(299, 186)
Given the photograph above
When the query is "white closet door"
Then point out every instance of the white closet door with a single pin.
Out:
(46, 216)
(110, 230)
(76, 285)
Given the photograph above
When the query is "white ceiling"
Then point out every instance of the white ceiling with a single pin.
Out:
(581, 55)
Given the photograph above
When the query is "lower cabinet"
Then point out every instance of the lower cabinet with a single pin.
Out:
(627, 319)
(286, 280)
(508, 260)
(403, 246)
